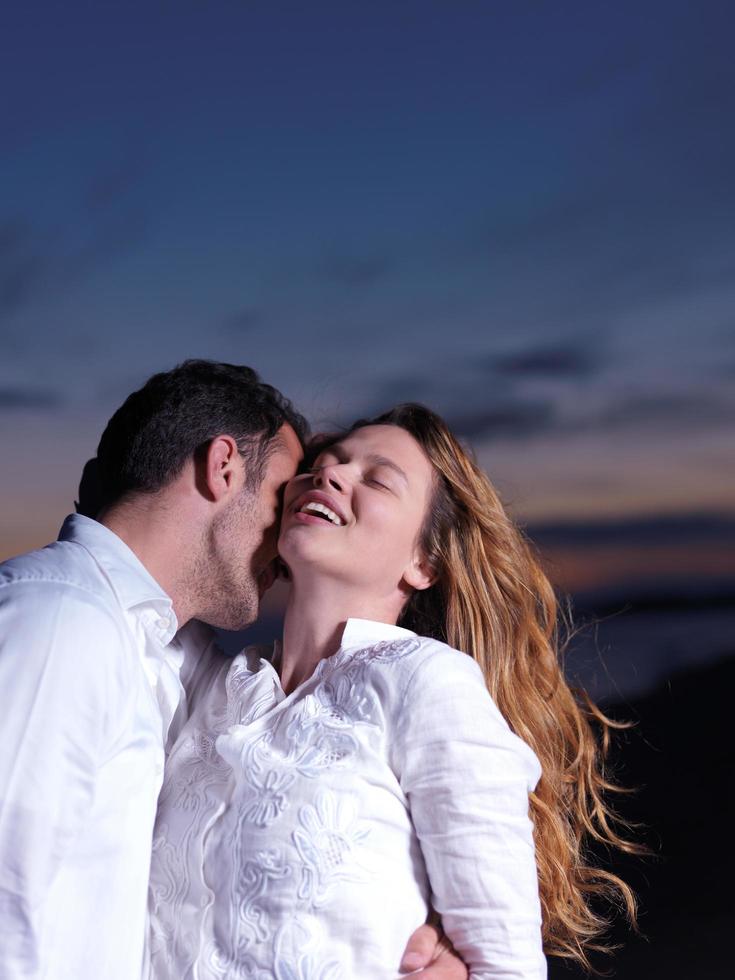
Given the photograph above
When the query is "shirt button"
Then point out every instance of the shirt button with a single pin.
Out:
(163, 624)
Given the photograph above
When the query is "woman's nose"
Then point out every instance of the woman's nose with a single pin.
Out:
(328, 476)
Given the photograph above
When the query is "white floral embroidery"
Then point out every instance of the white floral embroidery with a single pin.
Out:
(253, 881)
(234, 782)
(198, 769)
(269, 797)
(244, 701)
(168, 887)
(200, 765)
(298, 953)
(387, 651)
(314, 736)
(327, 843)
(342, 703)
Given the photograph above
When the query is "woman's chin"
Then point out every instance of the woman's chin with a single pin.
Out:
(308, 565)
(299, 545)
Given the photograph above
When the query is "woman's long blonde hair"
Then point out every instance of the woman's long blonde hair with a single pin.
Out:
(492, 600)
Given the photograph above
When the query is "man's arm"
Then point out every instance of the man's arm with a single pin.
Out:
(431, 954)
(57, 695)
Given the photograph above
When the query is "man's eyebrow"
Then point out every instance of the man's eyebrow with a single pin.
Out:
(384, 461)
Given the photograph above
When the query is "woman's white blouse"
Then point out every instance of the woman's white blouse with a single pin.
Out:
(304, 837)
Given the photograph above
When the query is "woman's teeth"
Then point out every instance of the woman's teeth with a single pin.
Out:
(322, 510)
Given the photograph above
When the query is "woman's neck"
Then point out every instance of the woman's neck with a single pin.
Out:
(315, 619)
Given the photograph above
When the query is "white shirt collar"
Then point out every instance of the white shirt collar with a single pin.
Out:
(133, 584)
(357, 634)
(363, 632)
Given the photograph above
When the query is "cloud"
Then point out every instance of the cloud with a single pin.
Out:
(355, 269)
(513, 419)
(668, 409)
(563, 361)
(114, 183)
(499, 409)
(21, 267)
(13, 234)
(484, 410)
(24, 399)
(31, 266)
(108, 241)
(18, 282)
(402, 388)
(681, 529)
(466, 407)
(243, 321)
(570, 215)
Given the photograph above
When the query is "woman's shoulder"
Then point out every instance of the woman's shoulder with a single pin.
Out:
(412, 663)
(425, 653)
(418, 675)
(446, 700)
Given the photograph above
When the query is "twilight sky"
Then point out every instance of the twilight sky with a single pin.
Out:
(520, 213)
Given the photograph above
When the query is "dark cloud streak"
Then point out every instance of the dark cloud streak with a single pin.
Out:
(109, 241)
(512, 420)
(28, 399)
(114, 184)
(13, 234)
(21, 268)
(672, 410)
(356, 270)
(483, 410)
(244, 321)
(546, 362)
(682, 528)
(29, 267)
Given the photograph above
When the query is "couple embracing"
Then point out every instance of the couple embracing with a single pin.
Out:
(409, 747)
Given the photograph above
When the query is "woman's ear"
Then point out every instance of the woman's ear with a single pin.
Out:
(419, 574)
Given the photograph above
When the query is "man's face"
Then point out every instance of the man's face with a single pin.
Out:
(245, 536)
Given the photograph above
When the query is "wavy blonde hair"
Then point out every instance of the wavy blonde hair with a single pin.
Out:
(492, 600)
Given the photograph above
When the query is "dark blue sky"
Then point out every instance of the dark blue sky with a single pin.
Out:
(520, 213)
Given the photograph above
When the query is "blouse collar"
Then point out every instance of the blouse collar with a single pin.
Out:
(364, 632)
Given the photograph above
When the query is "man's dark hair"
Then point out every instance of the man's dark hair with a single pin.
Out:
(173, 417)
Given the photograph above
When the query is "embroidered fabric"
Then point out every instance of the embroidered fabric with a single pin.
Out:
(284, 846)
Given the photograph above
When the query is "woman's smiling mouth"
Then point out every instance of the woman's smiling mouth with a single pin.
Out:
(318, 507)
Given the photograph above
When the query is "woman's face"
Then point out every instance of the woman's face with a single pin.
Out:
(356, 517)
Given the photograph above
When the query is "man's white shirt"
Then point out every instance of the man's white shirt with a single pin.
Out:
(90, 688)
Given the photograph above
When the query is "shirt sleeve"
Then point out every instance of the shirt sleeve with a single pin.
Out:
(57, 701)
(467, 778)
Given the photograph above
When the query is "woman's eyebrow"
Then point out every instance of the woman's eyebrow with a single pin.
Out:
(375, 458)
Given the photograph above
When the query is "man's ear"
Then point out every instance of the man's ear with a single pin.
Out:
(223, 467)
(419, 574)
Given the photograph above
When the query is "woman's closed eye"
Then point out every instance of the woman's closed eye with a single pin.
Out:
(380, 481)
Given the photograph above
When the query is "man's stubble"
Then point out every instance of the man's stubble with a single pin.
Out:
(223, 578)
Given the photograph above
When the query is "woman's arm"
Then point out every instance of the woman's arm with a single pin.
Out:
(467, 779)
